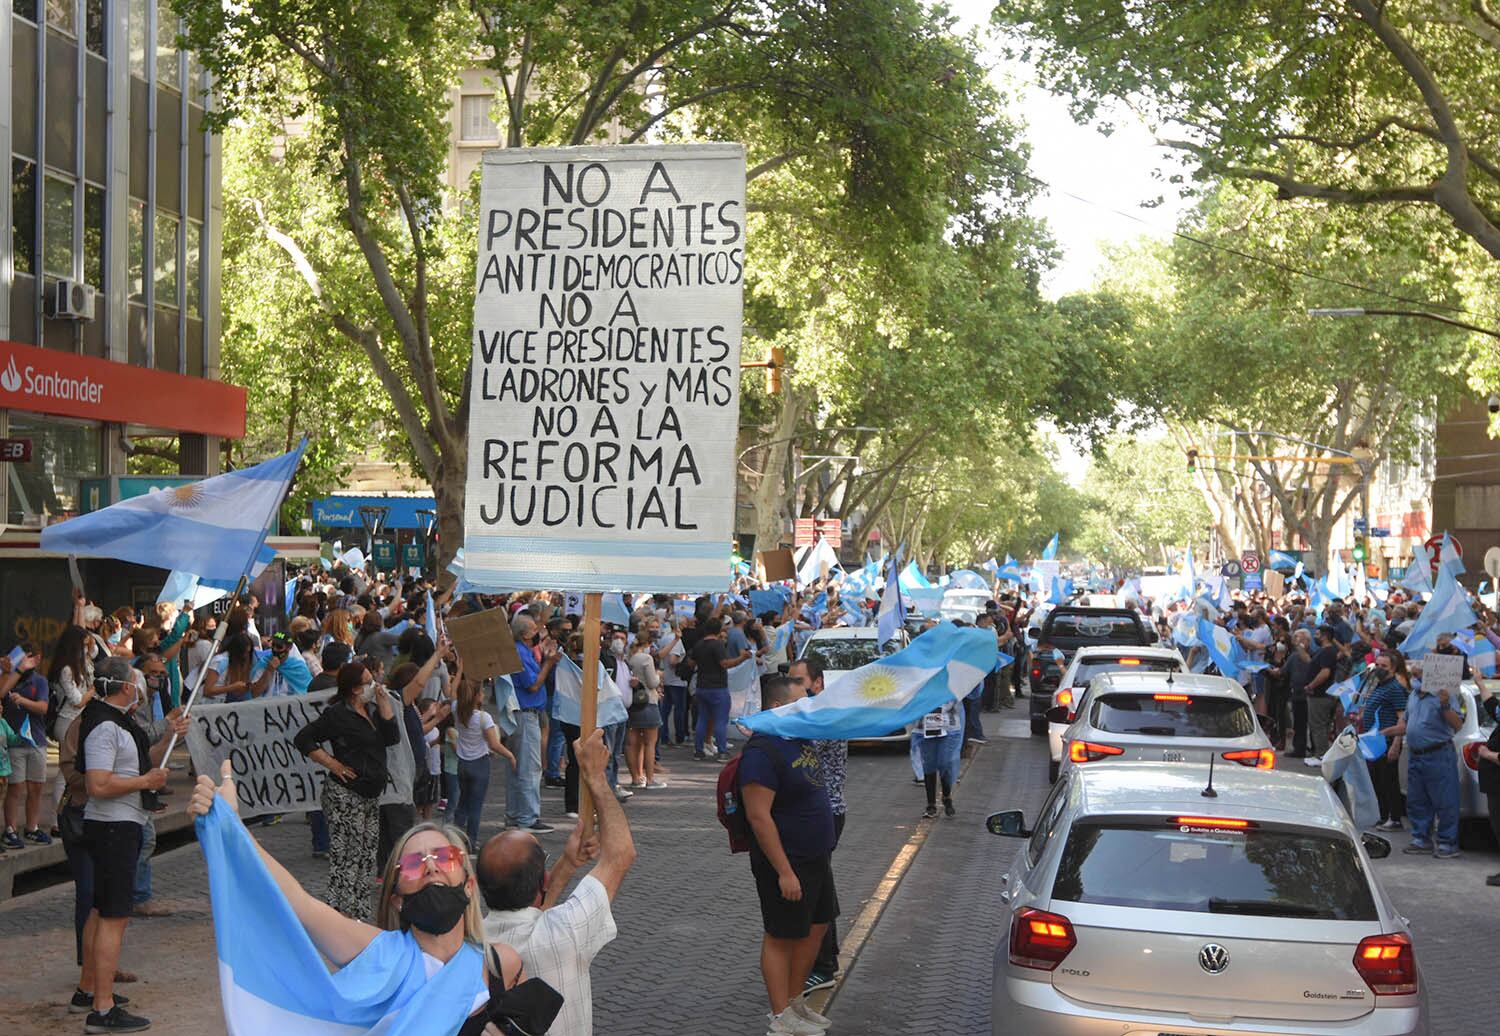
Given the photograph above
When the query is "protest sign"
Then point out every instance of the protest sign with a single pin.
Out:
(778, 565)
(270, 775)
(1275, 583)
(604, 404)
(1442, 671)
(483, 640)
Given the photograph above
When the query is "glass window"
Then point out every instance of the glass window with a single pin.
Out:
(57, 227)
(474, 117)
(25, 8)
(841, 654)
(23, 214)
(95, 29)
(192, 266)
(135, 274)
(164, 273)
(136, 40)
(1086, 671)
(60, 15)
(62, 452)
(166, 48)
(1171, 715)
(1046, 822)
(93, 235)
(1258, 871)
(1102, 627)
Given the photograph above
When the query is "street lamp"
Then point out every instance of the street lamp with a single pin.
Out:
(1360, 311)
(372, 517)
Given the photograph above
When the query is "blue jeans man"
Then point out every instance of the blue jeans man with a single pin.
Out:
(523, 793)
(713, 707)
(1432, 797)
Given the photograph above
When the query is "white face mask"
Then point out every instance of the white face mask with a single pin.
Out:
(367, 695)
(617, 648)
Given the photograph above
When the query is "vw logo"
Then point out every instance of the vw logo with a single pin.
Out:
(1213, 959)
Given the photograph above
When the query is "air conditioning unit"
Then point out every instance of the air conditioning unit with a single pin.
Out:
(70, 300)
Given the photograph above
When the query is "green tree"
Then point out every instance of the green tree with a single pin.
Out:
(1139, 500)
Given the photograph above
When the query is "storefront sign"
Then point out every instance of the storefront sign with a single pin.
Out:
(15, 451)
(413, 555)
(342, 512)
(46, 381)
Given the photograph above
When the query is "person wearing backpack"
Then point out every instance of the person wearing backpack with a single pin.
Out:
(25, 709)
(785, 802)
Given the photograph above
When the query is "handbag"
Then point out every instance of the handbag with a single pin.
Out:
(640, 697)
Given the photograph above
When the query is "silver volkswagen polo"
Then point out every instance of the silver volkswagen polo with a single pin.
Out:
(1140, 906)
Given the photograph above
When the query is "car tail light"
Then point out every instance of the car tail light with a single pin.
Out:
(1260, 758)
(1088, 751)
(1036, 673)
(1065, 696)
(1130, 661)
(1170, 697)
(1223, 823)
(1471, 754)
(1385, 962)
(1039, 939)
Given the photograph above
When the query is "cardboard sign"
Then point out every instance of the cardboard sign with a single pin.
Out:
(484, 642)
(777, 564)
(1275, 582)
(604, 404)
(1442, 671)
(270, 775)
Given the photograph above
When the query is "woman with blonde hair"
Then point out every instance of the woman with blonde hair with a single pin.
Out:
(339, 626)
(643, 726)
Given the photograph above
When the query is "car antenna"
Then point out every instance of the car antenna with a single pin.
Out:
(1208, 792)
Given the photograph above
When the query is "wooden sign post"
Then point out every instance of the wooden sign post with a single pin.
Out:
(588, 708)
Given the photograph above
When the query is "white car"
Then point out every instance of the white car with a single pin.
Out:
(1164, 717)
(845, 648)
(1087, 663)
(1139, 907)
(959, 603)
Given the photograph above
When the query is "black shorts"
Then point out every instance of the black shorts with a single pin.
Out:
(783, 919)
(115, 846)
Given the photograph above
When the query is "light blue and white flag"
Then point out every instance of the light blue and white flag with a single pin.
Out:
(1449, 557)
(911, 578)
(744, 689)
(273, 980)
(811, 569)
(429, 620)
(941, 665)
(352, 558)
(1281, 561)
(507, 709)
(1057, 593)
(1418, 575)
(1050, 550)
(992, 567)
(1228, 656)
(1482, 655)
(457, 567)
(1337, 580)
(567, 702)
(927, 599)
(213, 528)
(1447, 612)
(892, 612)
(612, 610)
(685, 609)
(1010, 571)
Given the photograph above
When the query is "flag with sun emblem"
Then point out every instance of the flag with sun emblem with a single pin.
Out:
(941, 665)
(213, 528)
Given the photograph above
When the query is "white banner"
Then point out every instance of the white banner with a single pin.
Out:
(604, 404)
(270, 775)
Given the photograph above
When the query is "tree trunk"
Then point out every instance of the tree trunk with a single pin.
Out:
(769, 497)
(448, 491)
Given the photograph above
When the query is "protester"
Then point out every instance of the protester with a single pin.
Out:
(119, 767)
(357, 777)
(1380, 712)
(712, 661)
(1429, 723)
(1320, 705)
(938, 738)
(1489, 768)
(644, 723)
(674, 679)
(477, 737)
(557, 938)
(24, 707)
(791, 819)
(538, 659)
(806, 677)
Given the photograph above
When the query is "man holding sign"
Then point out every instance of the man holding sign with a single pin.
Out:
(1432, 771)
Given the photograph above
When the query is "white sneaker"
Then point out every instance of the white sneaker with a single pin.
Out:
(807, 1014)
(571, 816)
(1312, 760)
(638, 784)
(621, 793)
(790, 1023)
(658, 783)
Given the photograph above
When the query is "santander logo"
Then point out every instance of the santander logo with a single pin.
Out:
(53, 384)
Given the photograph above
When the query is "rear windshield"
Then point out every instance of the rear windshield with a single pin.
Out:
(1105, 629)
(843, 655)
(1149, 714)
(1086, 671)
(1261, 873)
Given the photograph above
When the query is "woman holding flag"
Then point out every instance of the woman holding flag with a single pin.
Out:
(422, 972)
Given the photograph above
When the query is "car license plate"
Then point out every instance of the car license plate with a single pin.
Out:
(1172, 757)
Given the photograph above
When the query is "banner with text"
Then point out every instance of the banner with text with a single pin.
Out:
(270, 775)
(605, 397)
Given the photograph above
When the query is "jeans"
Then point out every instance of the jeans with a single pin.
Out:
(713, 706)
(1432, 797)
(319, 824)
(614, 736)
(143, 864)
(473, 784)
(570, 771)
(556, 749)
(450, 794)
(674, 713)
(523, 792)
(973, 725)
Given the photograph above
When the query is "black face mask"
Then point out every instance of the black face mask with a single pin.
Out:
(434, 908)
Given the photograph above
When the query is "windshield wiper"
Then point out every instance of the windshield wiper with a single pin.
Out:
(1260, 906)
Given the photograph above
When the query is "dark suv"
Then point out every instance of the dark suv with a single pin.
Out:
(1066, 629)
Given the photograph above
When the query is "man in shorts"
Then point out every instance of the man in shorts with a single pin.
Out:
(786, 803)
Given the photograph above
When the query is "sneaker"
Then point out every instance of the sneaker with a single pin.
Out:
(699, 757)
(1447, 853)
(39, 836)
(979, 740)
(658, 783)
(638, 784)
(320, 854)
(789, 1023)
(822, 980)
(1312, 760)
(540, 828)
(554, 782)
(948, 809)
(622, 794)
(84, 1002)
(929, 812)
(807, 1014)
(1417, 849)
(1389, 825)
(571, 816)
(1493, 879)
(116, 1019)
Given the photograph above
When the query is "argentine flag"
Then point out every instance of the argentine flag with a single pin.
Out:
(273, 980)
(892, 614)
(184, 586)
(940, 666)
(567, 702)
(1418, 576)
(1225, 651)
(214, 528)
(1447, 612)
(1050, 550)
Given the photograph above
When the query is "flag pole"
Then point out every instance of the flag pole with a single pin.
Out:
(588, 708)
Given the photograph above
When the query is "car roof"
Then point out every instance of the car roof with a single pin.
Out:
(1241, 792)
(1115, 650)
(1181, 683)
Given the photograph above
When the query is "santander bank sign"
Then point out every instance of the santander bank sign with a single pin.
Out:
(48, 381)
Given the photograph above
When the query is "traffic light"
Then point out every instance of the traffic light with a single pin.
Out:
(1192, 459)
(1359, 549)
(774, 364)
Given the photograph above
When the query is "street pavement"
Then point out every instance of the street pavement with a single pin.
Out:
(686, 960)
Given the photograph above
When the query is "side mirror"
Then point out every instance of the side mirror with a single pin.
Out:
(1011, 823)
(1153, 637)
(1058, 714)
(1034, 632)
(1376, 848)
